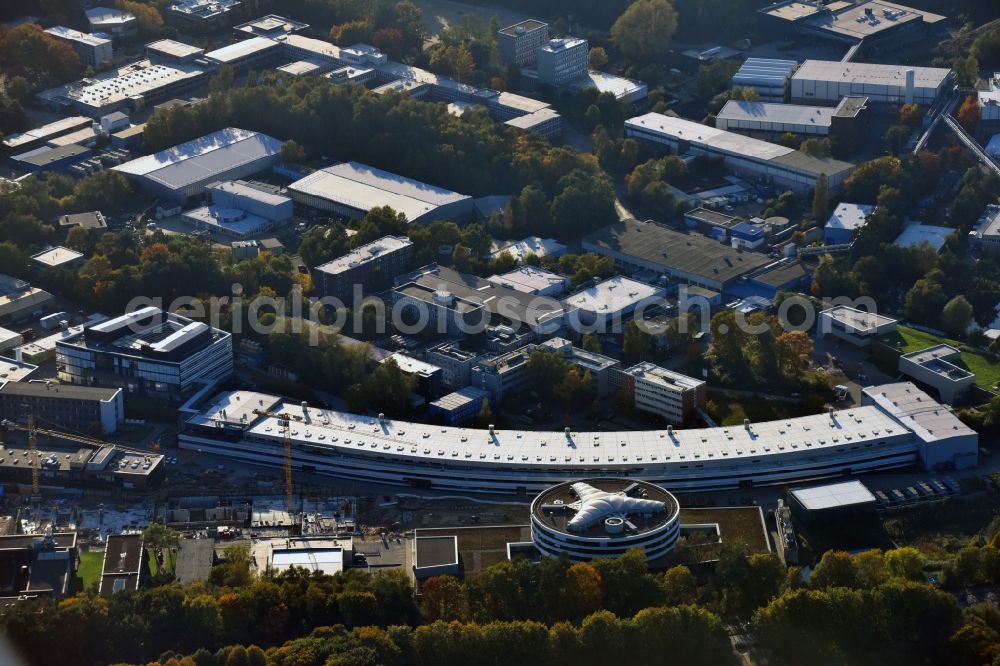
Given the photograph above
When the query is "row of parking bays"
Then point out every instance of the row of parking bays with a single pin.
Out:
(921, 491)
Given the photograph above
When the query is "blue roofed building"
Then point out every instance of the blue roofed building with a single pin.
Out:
(747, 236)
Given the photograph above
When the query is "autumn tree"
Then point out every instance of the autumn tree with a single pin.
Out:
(148, 16)
(644, 30)
(443, 598)
(956, 316)
(968, 114)
(597, 57)
(30, 52)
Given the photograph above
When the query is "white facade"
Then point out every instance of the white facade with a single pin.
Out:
(663, 392)
(775, 118)
(933, 367)
(858, 327)
(828, 81)
(562, 60)
(112, 21)
(93, 50)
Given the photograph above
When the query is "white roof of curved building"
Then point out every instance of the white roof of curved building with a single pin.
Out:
(417, 441)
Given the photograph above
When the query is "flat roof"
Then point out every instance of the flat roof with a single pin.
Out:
(91, 220)
(174, 49)
(460, 398)
(57, 256)
(468, 293)
(44, 156)
(232, 220)
(364, 254)
(235, 408)
(304, 67)
(271, 24)
(203, 9)
(56, 390)
(735, 145)
(133, 80)
(651, 372)
(329, 561)
(526, 26)
(833, 496)
(364, 187)
(858, 320)
(409, 442)
(850, 216)
(529, 279)
(936, 359)
(411, 365)
(562, 44)
(853, 22)
(244, 190)
(247, 47)
(435, 551)
(198, 159)
(77, 36)
(613, 295)
(767, 112)
(12, 370)
(676, 251)
(532, 120)
(80, 136)
(918, 411)
(713, 217)
(60, 126)
(106, 15)
(915, 234)
(781, 274)
(834, 71)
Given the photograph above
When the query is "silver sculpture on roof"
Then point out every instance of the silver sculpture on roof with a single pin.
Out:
(596, 505)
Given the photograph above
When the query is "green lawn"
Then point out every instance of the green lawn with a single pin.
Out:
(168, 565)
(89, 573)
(730, 409)
(987, 370)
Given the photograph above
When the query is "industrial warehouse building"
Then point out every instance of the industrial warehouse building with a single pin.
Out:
(239, 210)
(845, 122)
(885, 86)
(351, 189)
(767, 77)
(148, 352)
(683, 258)
(899, 426)
(742, 155)
(605, 305)
(601, 518)
(35, 138)
(187, 169)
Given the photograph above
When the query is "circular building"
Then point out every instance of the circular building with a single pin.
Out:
(596, 518)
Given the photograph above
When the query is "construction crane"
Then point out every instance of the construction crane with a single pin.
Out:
(33, 445)
(285, 422)
(286, 436)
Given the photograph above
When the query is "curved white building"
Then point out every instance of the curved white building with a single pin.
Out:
(899, 426)
(585, 520)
